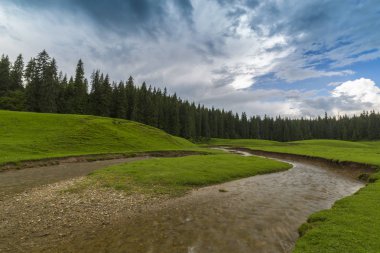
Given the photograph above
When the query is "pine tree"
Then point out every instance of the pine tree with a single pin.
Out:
(16, 74)
(119, 101)
(80, 96)
(101, 95)
(42, 83)
(32, 86)
(205, 127)
(5, 69)
(49, 88)
(130, 91)
(61, 98)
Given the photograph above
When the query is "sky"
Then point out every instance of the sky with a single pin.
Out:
(275, 57)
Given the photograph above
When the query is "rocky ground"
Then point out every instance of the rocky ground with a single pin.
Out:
(40, 218)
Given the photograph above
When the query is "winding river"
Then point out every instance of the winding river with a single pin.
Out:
(258, 214)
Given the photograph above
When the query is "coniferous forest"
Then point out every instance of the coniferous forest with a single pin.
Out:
(38, 86)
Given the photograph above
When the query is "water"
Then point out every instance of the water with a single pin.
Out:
(259, 214)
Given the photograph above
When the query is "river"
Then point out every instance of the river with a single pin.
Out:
(258, 214)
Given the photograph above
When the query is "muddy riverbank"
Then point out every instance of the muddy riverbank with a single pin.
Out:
(256, 214)
(91, 158)
(43, 172)
(17, 181)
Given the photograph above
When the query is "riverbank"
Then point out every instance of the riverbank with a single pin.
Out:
(97, 157)
(41, 218)
(352, 225)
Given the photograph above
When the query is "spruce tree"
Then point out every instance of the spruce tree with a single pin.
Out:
(130, 91)
(80, 96)
(119, 101)
(16, 74)
(5, 69)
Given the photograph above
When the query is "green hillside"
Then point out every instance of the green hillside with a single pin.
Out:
(31, 136)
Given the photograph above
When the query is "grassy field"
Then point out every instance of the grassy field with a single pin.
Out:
(175, 176)
(362, 152)
(353, 224)
(33, 136)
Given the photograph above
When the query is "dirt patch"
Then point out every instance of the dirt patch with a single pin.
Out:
(44, 217)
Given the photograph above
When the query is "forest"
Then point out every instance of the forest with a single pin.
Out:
(39, 86)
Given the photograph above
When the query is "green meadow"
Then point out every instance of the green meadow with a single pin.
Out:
(33, 136)
(352, 225)
(175, 176)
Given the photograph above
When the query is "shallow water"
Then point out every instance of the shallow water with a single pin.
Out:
(256, 214)
(15, 181)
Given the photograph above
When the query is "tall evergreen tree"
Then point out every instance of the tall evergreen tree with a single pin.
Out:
(80, 96)
(5, 69)
(101, 95)
(130, 91)
(16, 74)
(119, 101)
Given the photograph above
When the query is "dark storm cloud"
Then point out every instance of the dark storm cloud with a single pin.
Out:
(247, 3)
(121, 16)
(129, 16)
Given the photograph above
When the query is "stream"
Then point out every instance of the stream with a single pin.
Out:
(258, 214)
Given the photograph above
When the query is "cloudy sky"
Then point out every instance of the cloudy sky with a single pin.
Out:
(288, 57)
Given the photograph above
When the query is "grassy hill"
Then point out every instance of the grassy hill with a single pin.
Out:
(32, 136)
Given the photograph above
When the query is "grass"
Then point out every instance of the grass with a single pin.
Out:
(33, 136)
(362, 152)
(175, 176)
(352, 225)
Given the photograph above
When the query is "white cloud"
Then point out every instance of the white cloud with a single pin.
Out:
(350, 97)
(360, 90)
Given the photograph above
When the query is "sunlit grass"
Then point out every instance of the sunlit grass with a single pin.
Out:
(32, 136)
(175, 176)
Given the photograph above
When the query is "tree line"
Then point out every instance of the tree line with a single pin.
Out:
(38, 86)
